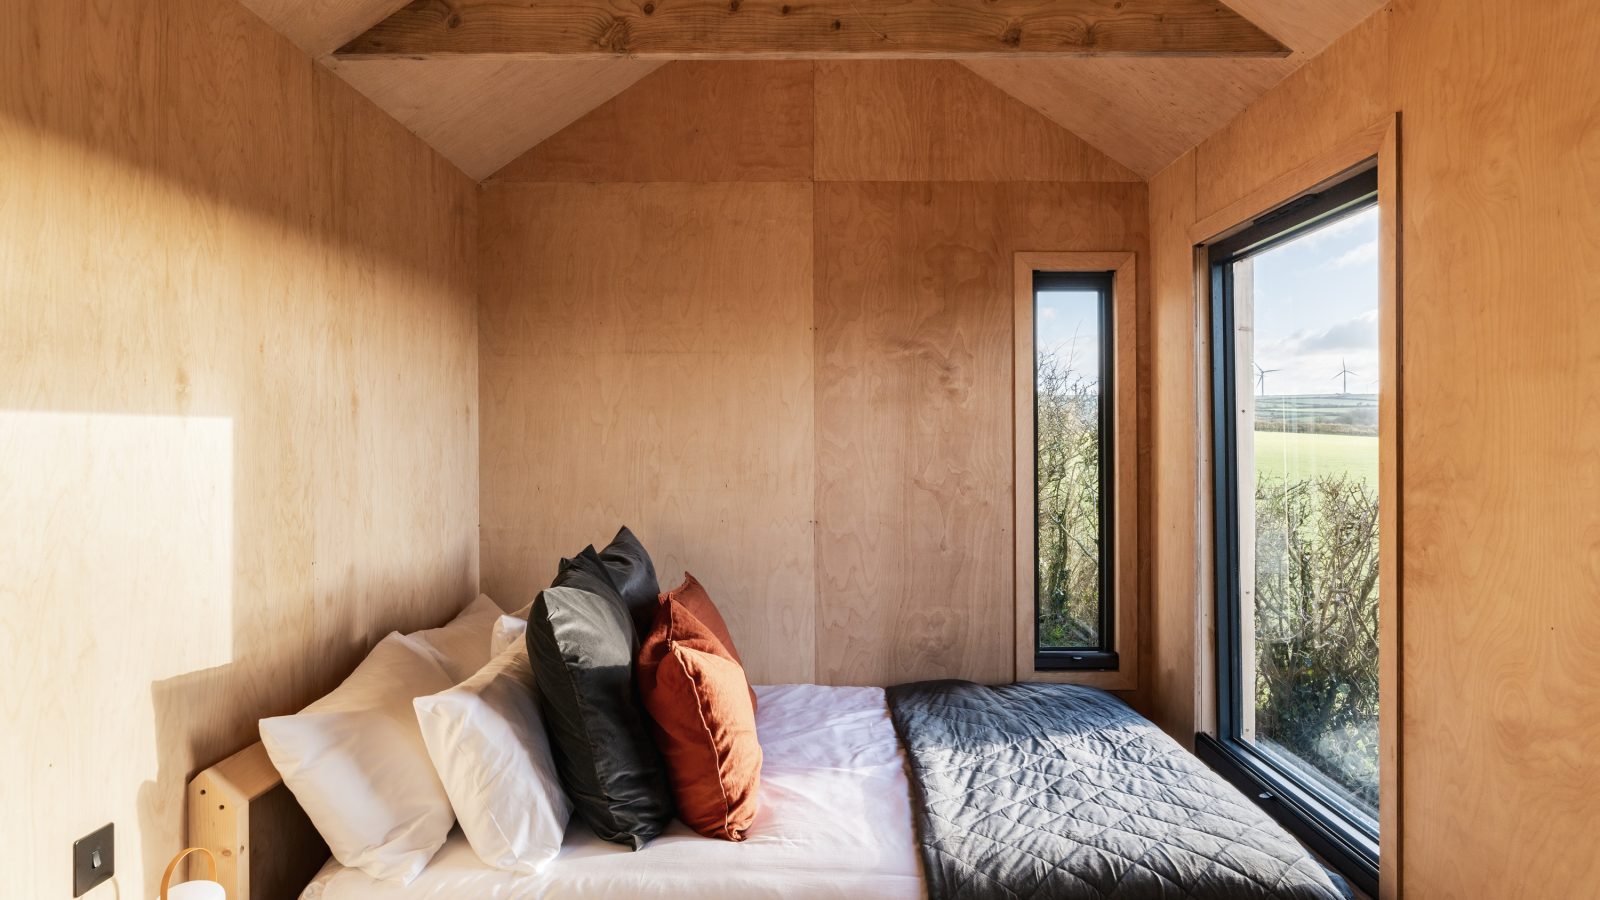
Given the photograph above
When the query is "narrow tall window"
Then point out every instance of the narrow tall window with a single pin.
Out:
(1295, 397)
(1072, 466)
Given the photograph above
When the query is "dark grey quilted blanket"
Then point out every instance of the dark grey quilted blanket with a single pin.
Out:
(1060, 791)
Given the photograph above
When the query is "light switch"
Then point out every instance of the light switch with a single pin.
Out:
(94, 859)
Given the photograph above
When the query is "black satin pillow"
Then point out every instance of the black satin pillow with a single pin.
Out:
(588, 572)
(634, 575)
(581, 642)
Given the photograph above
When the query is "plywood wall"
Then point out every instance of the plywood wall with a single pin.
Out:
(647, 360)
(1177, 528)
(914, 351)
(1500, 788)
(238, 408)
(762, 311)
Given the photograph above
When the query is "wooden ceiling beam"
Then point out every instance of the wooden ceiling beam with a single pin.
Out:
(797, 29)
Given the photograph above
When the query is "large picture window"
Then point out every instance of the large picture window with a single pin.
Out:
(1295, 357)
(1072, 490)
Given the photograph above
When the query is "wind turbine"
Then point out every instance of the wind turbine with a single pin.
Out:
(1345, 373)
(1261, 378)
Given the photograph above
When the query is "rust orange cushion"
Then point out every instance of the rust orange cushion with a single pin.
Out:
(697, 694)
(694, 597)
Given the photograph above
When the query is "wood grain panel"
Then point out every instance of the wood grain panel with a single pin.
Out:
(1143, 113)
(1502, 528)
(320, 26)
(914, 483)
(679, 401)
(237, 408)
(938, 121)
(1345, 92)
(707, 29)
(1391, 521)
(1340, 157)
(709, 121)
(1178, 591)
(482, 113)
(1308, 26)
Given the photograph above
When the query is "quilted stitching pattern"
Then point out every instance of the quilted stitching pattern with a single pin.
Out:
(1033, 791)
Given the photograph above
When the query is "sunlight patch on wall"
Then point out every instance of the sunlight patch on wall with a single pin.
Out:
(117, 528)
(116, 572)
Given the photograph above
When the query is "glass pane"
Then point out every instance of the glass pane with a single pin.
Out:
(1067, 467)
(1306, 314)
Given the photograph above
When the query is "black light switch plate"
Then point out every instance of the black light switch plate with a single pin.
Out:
(94, 859)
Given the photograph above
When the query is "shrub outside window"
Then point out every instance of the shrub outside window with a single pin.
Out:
(1072, 491)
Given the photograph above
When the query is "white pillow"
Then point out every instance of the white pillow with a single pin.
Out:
(489, 747)
(462, 647)
(509, 629)
(356, 762)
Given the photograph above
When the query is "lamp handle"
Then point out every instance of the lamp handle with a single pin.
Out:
(166, 877)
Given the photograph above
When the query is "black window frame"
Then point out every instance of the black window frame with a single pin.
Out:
(1103, 656)
(1344, 836)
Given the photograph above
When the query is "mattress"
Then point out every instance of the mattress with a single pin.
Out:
(835, 822)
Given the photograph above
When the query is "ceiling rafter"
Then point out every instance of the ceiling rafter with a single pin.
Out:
(772, 29)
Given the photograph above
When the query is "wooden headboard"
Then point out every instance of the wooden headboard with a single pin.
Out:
(242, 812)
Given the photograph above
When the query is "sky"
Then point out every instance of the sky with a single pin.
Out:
(1316, 309)
(1065, 321)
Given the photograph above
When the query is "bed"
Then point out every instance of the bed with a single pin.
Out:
(1012, 791)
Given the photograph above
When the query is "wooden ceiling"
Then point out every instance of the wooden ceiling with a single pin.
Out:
(1142, 106)
(1145, 113)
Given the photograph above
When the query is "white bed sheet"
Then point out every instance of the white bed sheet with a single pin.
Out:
(835, 822)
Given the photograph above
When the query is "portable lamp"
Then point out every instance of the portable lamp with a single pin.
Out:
(192, 890)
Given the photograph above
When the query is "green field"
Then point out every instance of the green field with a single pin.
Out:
(1321, 413)
(1301, 456)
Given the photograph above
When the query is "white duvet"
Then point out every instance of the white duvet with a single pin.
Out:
(835, 822)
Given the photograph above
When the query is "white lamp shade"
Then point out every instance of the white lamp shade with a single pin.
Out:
(196, 890)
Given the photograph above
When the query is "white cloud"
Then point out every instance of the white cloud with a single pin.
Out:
(1341, 227)
(1360, 254)
(1359, 333)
